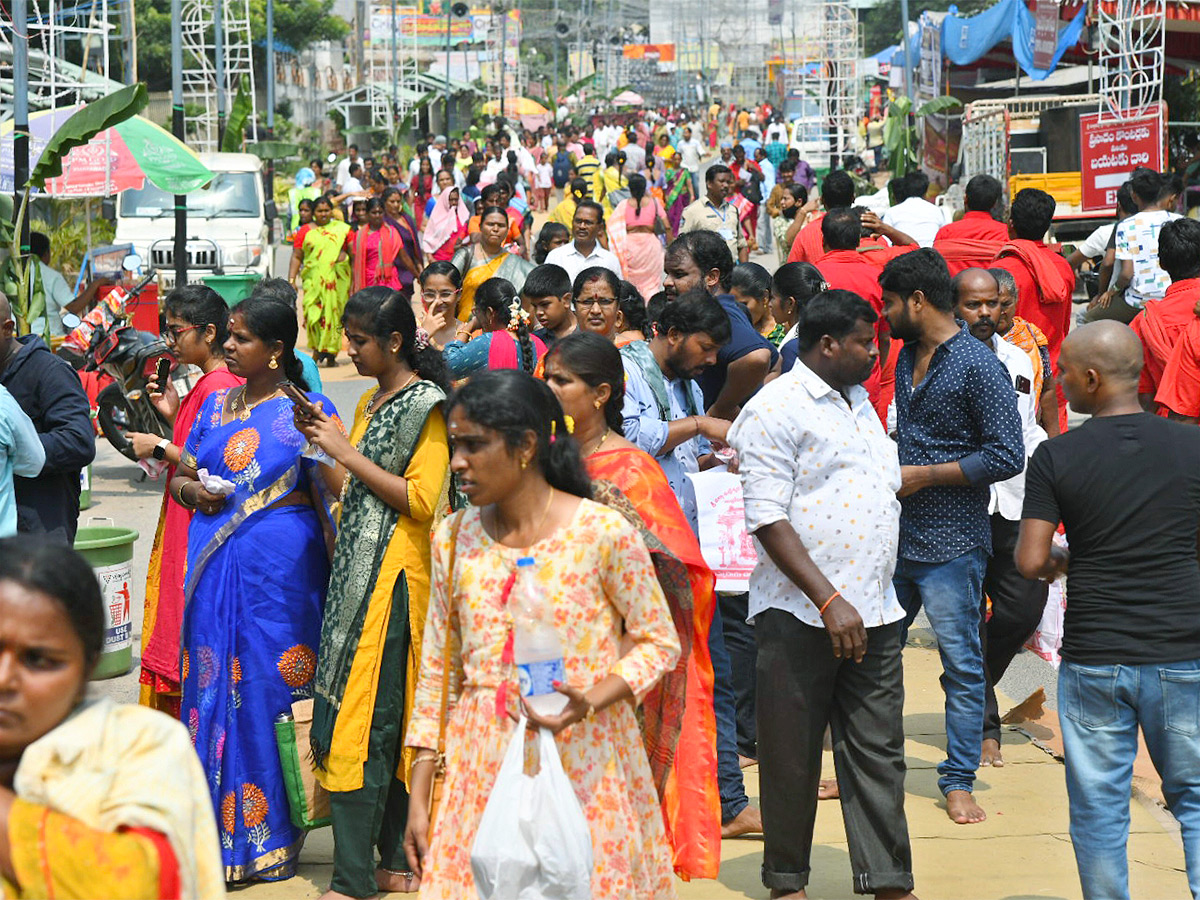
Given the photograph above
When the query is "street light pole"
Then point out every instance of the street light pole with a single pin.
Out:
(177, 126)
(219, 53)
(503, 58)
(908, 67)
(395, 77)
(449, 13)
(20, 14)
(270, 173)
(554, 99)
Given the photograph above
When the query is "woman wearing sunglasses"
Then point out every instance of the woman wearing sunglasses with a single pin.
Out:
(195, 334)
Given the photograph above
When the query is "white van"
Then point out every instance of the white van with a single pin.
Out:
(228, 225)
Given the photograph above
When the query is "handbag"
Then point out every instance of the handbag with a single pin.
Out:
(439, 762)
(308, 801)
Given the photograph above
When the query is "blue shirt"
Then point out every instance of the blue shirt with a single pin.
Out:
(964, 411)
(646, 428)
(744, 339)
(21, 453)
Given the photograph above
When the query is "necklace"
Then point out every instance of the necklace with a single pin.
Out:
(378, 398)
(244, 415)
(603, 438)
(541, 521)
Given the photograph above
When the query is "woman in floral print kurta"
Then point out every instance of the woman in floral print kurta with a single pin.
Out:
(594, 569)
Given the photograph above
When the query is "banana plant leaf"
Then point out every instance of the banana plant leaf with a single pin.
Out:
(239, 116)
(273, 149)
(92, 119)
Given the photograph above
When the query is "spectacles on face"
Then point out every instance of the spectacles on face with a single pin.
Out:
(432, 296)
(598, 302)
(173, 332)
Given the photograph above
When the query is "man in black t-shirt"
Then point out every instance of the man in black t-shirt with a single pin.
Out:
(1126, 485)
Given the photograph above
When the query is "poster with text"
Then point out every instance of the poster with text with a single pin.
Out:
(721, 515)
(1111, 148)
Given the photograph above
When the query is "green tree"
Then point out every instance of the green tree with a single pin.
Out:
(298, 23)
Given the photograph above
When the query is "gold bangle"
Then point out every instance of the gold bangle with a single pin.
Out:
(428, 757)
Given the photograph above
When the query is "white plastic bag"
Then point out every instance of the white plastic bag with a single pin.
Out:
(533, 841)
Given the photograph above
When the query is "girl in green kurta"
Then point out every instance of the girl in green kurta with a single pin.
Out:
(397, 463)
(322, 248)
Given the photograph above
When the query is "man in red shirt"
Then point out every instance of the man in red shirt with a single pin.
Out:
(842, 266)
(1045, 280)
(977, 224)
(837, 192)
(1161, 322)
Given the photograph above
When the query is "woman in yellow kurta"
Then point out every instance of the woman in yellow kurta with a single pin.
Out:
(396, 488)
(522, 473)
(322, 248)
(96, 799)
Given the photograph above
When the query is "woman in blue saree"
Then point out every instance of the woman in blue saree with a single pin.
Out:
(257, 571)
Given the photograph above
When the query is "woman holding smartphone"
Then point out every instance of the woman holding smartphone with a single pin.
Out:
(257, 569)
(397, 461)
(195, 334)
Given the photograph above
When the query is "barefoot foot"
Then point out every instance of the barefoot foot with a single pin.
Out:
(962, 808)
(991, 753)
(748, 821)
(392, 881)
(828, 789)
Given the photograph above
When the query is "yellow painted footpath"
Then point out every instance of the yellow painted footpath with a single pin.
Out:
(1022, 851)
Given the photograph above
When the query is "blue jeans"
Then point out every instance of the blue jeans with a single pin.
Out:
(1101, 708)
(729, 771)
(951, 593)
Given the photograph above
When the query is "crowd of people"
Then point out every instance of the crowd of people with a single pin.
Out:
(893, 398)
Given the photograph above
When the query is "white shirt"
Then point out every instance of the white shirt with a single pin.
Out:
(58, 294)
(810, 458)
(689, 154)
(1007, 497)
(776, 131)
(916, 217)
(343, 171)
(1097, 242)
(635, 158)
(435, 157)
(575, 262)
(1137, 240)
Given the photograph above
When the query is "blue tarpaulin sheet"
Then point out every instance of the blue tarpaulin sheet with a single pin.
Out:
(965, 40)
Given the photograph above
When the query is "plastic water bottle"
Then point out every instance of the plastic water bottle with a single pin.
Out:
(536, 648)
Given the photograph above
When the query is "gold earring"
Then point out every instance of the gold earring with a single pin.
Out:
(524, 464)
(597, 404)
(273, 364)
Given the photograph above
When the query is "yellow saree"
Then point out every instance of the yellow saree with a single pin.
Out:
(326, 285)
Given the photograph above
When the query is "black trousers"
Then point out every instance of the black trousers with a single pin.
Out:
(743, 650)
(802, 688)
(1017, 605)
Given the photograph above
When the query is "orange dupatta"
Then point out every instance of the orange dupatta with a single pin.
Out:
(686, 778)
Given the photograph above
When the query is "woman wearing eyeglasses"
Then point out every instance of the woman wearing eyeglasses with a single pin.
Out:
(597, 293)
(195, 332)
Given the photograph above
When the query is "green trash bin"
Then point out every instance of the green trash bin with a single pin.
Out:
(109, 550)
(233, 288)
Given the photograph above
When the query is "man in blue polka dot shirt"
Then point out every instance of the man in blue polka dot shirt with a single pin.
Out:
(958, 431)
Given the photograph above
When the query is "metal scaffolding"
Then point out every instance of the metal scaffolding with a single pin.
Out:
(839, 95)
(59, 33)
(214, 63)
(1132, 36)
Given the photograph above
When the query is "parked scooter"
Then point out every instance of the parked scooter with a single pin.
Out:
(104, 341)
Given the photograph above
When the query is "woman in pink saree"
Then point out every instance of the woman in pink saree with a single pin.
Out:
(632, 238)
(446, 225)
(376, 246)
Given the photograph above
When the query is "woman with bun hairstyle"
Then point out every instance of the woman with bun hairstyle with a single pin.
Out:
(257, 568)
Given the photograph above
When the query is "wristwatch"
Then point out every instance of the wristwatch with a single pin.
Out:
(160, 449)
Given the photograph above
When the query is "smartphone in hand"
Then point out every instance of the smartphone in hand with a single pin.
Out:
(297, 396)
(162, 373)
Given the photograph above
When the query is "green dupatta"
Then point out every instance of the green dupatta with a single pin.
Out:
(364, 532)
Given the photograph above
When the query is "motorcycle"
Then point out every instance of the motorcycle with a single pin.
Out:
(104, 342)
